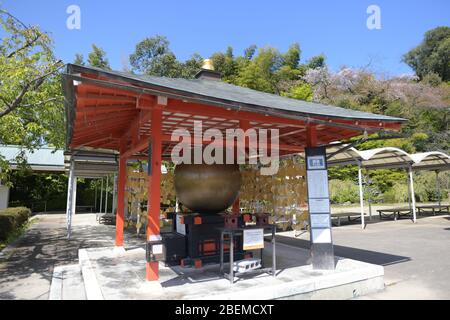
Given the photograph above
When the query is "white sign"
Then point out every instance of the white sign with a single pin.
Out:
(316, 162)
(157, 249)
(181, 228)
(319, 205)
(321, 235)
(317, 183)
(253, 239)
(320, 220)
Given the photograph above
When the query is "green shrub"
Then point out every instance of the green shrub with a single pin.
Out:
(397, 194)
(343, 191)
(11, 220)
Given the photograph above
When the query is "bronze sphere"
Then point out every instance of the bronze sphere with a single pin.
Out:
(207, 189)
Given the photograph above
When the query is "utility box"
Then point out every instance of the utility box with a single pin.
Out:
(174, 247)
(154, 250)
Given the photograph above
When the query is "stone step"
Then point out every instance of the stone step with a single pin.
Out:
(67, 283)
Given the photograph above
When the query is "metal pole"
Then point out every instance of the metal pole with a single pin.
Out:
(369, 197)
(412, 193)
(106, 194)
(438, 188)
(114, 194)
(95, 198)
(101, 197)
(274, 255)
(409, 190)
(361, 195)
(70, 199)
(74, 191)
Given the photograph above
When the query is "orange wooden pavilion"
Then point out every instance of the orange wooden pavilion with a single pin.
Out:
(130, 114)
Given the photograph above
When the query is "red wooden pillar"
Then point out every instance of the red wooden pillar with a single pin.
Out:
(122, 176)
(154, 188)
(311, 136)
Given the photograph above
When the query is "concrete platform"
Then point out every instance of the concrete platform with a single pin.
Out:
(67, 283)
(111, 275)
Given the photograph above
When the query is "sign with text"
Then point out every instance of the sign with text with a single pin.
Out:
(320, 220)
(253, 239)
(322, 251)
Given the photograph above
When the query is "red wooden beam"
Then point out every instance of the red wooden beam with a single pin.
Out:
(167, 138)
(311, 136)
(94, 111)
(177, 106)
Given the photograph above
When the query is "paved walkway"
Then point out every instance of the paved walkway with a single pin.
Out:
(415, 256)
(26, 266)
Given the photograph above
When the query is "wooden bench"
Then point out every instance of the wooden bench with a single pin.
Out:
(84, 208)
(351, 216)
(433, 208)
(396, 213)
(107, 218)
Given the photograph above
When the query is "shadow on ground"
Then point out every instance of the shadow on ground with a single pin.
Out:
(374, 257)
(26, 267)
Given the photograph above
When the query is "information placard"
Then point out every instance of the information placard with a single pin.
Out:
(321, 235)
(320, 220)
(322, 251)
(180, 227)
(253, 239)
(317, 183)
(319, 205)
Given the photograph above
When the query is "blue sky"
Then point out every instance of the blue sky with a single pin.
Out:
(334, 28)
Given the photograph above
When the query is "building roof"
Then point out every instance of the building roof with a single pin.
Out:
(238, 96)
(102, 106)
(42, 159)
(89, 164)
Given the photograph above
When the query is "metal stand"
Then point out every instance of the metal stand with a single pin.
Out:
(232, 233)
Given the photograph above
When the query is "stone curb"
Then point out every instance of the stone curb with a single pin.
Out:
(92, 288)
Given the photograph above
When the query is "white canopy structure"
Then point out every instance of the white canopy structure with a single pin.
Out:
(388, 158)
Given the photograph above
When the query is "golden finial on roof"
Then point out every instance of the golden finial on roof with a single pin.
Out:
(207, 64)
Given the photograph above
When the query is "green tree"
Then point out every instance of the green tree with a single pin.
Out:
(260, 73)
(97, 58)
(292, 57)
(432, 55)
(191, 66)
(79, 59)
(31, 108)
(315, 62)
(226, 64)
(153, 56)
(301, 91)
(250, 52)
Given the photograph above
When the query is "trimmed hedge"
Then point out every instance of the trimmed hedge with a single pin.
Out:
(11, 219)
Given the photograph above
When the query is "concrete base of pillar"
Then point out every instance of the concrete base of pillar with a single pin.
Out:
(295, 278)
(118, 251)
